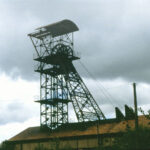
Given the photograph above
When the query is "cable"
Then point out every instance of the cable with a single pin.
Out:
(96, 82)
(105, 92)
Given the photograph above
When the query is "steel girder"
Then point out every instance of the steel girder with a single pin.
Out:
(60, 83)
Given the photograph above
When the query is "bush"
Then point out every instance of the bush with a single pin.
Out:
(134, 140)
(5, 146)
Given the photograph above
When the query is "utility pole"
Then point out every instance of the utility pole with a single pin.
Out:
(98, 133)
(135, 106)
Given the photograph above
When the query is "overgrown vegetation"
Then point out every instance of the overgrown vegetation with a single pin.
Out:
(137, 139)
(5, 146)
(132, 140)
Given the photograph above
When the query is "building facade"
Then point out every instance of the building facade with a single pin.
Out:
(77, 136)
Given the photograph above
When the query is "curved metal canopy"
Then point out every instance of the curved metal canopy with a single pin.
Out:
(56, 29)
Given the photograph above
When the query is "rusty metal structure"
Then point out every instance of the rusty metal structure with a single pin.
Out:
(60, 82)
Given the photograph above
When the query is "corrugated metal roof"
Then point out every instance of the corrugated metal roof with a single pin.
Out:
(56, 29)
(34, 133)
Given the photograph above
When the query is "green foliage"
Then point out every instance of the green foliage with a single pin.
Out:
(146, 115)
(5, 146)
(131, 140)
(134, 140)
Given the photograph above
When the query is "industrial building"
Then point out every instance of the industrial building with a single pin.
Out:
(77, 136)
(61, 84)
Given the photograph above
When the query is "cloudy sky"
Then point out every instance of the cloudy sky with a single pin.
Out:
(113, 40)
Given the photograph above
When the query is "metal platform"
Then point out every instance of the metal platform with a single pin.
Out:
(53, 101)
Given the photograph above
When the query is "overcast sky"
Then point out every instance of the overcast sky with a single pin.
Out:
(114, 42)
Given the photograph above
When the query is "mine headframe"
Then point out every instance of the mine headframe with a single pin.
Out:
(60, 82)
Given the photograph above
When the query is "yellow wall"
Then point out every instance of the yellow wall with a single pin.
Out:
(69, 143)
(17, 147)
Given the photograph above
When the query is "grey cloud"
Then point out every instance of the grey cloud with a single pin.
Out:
(126, 55)
(17, 112)
(113, 37)
(110, 94)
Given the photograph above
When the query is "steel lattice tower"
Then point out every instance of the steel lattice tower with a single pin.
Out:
(60, 83)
